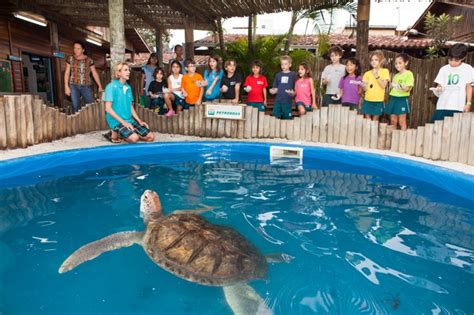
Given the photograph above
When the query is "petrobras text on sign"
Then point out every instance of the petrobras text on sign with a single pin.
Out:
(223, 111)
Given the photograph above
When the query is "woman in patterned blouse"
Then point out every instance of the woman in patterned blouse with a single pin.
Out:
(77, 77)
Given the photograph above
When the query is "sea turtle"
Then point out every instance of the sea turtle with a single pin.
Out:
(187, 245)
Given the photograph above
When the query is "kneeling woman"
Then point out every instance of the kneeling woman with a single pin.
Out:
(120, 114)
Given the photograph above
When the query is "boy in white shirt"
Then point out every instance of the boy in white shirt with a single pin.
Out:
(454, 84)
(331, 76)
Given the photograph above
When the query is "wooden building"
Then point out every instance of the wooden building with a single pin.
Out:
(33, 57)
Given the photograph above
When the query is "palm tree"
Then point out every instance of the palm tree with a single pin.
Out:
(323, 17)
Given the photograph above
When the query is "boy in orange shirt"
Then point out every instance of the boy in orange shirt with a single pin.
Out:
(191, 85)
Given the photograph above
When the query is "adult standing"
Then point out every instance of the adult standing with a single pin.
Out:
(77, 77)
(147, 77)
(179, 52)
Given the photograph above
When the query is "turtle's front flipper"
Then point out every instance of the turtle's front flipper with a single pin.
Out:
(94, 249)
(244, 300)
(275, 258)
(195, 211)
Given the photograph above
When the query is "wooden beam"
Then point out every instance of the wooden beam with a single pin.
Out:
(58, 82)
(145, 18)
(117, 33)
(159, 45)
(189, 37)
(362, 40)
(250, 36)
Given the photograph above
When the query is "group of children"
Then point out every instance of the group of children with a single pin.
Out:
(344, 85)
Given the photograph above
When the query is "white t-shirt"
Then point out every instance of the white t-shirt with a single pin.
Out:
(333, 74)
(176, 83)
(453, 80)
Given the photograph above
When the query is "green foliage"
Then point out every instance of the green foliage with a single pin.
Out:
(149, 36)
(440, 29)
(266, 49)
(299, 56)
(324, 44)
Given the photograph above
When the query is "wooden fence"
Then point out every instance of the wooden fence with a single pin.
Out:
(422, 100)
(26, 120)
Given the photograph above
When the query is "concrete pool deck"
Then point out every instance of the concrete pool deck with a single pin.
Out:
(95, 139)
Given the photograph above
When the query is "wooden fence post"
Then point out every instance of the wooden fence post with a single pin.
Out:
(455, 138)
(428, 141)
(3, 125)
(316, 125)
(38, 124)
(382, 134)
(323, 131)
(465, 131)
(21, 121)
(437, 138)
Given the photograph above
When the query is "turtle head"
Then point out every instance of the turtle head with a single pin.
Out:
(150, 206)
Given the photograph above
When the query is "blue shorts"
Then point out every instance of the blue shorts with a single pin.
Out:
(441, 113)
(372, 108)
(307, 108)
(282, 110)
(327, 100)
(351, 105)
(124, 132)
(397, 105)
(259, 105)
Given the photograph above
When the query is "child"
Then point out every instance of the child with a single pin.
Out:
(174, 96)
(283, 87)
(332, 74)
(349, 86)
(156, 93)
(148, 71)
(454, 84)
(212, 77)
(120, 114)
(191, 85)
(256, 87)
(179, 52)
(402, 83)
(374, 83)
(305, 99)
(230, 84)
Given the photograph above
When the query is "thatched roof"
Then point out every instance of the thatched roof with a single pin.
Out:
(162, 13)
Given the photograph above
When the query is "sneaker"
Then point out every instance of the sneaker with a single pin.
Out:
(170, 113)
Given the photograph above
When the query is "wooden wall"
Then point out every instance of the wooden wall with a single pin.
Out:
(26, 120)
(27, 37)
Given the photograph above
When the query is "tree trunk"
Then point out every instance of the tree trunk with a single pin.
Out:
(250, 36)
(362, 48)
(117, 34)
(289, 36)
(159, 45)
(220, 31)
(189, 38)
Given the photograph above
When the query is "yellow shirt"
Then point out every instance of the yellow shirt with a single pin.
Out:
(374, 92)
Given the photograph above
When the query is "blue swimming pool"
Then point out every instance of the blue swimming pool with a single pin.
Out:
(369, 234)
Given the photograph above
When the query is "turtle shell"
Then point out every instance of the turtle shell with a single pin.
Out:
(194, 249)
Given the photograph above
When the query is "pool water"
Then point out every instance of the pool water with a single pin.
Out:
(365, 239)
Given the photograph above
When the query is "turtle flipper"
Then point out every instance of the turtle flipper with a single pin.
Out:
(94, 249)
(195, 211)
(244, 300)
(276, 258)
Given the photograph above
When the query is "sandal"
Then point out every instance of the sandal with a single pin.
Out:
(108, 136)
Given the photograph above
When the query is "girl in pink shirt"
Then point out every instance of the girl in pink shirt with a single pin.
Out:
(304, 87)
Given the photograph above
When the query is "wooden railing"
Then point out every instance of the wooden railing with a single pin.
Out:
(25, 120)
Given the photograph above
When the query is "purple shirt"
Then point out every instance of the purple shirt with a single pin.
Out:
(350, 89)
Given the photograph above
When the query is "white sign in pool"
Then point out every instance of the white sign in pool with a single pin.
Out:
(224, 111)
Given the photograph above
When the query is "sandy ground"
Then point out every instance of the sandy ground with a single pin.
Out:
(94, 139)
